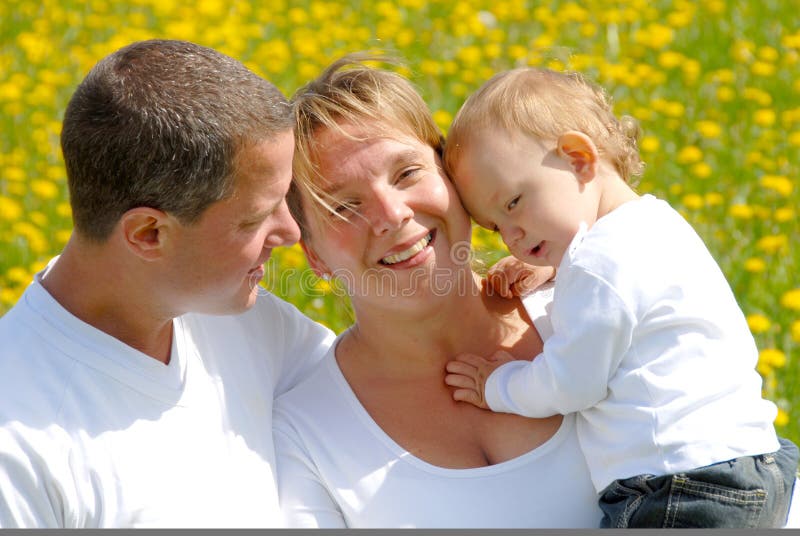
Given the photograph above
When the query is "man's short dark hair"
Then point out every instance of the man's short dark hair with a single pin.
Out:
(160, 124)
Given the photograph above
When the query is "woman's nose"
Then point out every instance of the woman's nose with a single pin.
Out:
(390, 212)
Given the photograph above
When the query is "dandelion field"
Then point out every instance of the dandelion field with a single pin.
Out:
(715, 85)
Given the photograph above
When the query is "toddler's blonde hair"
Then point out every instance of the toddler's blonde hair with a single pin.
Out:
(545, 104)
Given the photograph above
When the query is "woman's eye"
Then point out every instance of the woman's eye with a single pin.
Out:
(408, 174)
(344, 209)
(513, 203)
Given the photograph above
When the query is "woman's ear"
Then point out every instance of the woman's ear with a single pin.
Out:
(145, 231)
(319, 267)
(580, 152)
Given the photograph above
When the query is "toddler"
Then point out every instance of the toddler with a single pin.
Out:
(648, 343)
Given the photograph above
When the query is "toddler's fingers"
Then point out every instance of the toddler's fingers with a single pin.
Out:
(470, 359)
(460, 381)
(501, 355)
(500, 283)
(468, 395)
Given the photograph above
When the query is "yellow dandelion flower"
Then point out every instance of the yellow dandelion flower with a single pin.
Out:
(64, 210)
(795, 330)
(517, 52)
(755, 265)
(676, 188)
(470, 55)
(714, 199)
(772, 357)
(701, 170)
(724, 76)
(708, 129)
(670, 59)
(44, 189)
(772, 243)
(10, 296)
(443, 118)
(764, 117)
(764, 368)
(758, 323)
(675, 109)
(791, 299)
(689, 155)
(692, 201)
(656, 36)
(62, 236)
(14, 173)
(768, 53)
(649, 144)
(762, 68)
(741, 211)
(777, 183)
(757, 95)
(785, 214)
(10, 209)
(725, 94)
(753, 157)
(782, 418)
(742, 51)
(587, 29)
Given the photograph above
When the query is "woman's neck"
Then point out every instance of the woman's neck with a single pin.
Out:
(397, 342)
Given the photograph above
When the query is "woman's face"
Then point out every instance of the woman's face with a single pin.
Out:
(397, 228)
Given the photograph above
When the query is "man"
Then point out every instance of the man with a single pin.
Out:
(137, 371)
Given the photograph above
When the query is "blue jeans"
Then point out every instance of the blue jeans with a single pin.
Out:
(746, 492)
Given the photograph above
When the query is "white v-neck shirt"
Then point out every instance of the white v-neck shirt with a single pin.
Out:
(93, 433)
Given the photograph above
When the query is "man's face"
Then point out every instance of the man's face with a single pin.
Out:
(217, 262)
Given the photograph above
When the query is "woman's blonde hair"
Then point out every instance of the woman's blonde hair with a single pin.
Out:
(545, 104)
(380, 101)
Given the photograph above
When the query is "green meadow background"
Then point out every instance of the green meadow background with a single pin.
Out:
(714, 83)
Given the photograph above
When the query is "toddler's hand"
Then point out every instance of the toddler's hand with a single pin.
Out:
(512, 278)
(468, 374)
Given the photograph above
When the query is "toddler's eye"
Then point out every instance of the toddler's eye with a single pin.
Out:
(513, 203)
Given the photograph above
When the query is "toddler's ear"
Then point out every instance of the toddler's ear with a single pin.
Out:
(580, 151)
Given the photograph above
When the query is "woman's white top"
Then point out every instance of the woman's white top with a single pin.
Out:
(337, 468)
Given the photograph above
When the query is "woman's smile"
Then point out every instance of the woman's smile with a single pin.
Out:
(409, 253)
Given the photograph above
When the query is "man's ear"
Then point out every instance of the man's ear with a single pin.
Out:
(319, 267)
(580, 151)
(145, 232)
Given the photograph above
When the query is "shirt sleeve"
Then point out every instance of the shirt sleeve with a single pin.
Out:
(304, 343)
(305, 501)
(593, 329)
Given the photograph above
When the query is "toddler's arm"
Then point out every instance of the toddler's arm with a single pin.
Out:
(512, 278)
(468, 374)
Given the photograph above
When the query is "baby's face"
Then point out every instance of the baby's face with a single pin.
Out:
(522, 188)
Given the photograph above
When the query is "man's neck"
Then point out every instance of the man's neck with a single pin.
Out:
(94, 284)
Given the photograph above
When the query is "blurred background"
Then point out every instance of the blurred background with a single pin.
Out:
(715, 85)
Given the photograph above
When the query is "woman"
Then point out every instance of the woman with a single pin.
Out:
(377, 212)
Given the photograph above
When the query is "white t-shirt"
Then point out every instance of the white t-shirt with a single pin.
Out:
(337, 467)
(96, 434)
(650, 347)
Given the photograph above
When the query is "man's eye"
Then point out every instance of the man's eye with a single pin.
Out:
(513, 203)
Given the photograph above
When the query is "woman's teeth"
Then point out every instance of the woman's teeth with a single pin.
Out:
(407, 254)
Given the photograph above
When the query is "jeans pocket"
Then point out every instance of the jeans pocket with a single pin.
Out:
(697, 504)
